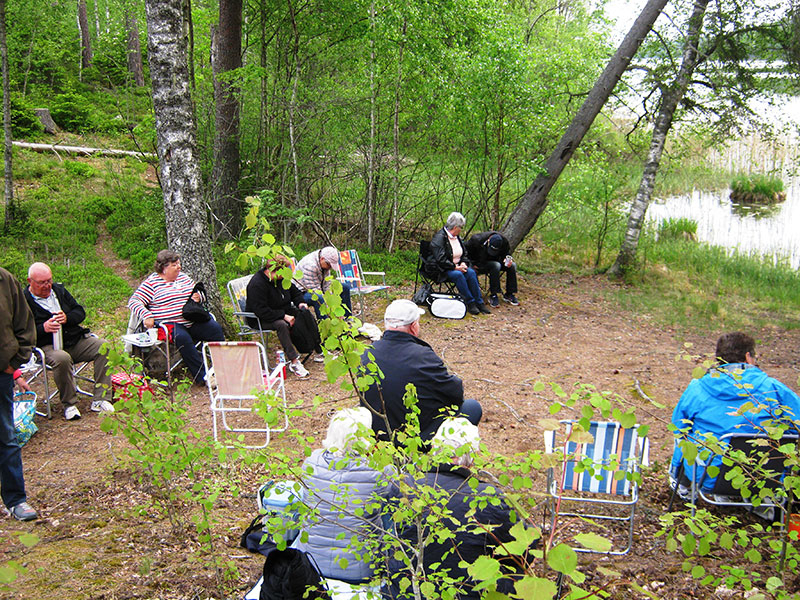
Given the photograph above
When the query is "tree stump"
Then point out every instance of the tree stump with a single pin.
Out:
(46, 120)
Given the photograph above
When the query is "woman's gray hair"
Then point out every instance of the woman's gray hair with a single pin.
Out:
(347, 427)
(457, 440)
(164, 258)
(456, 219)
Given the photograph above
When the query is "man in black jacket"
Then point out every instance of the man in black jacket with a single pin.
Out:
(403, 358)
(489, 252)
(477, 517)
(65, 342)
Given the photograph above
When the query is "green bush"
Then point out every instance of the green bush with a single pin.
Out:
(24, 122)
(757, 188)
(675, 229)
(72, 112)
(80, 169)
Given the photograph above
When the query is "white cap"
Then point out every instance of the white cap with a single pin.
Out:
(401, 313)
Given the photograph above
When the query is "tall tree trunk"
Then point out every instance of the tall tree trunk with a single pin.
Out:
(396, 138)
(135, 67)
(8, 190)
(96, 19)
(86, 42)
(181, 183)
(535, 199)
(225, 175)
(669, 102)
(371, 151)
(293, 116)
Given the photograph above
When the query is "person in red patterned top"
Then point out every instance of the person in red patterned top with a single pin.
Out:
(160, 299)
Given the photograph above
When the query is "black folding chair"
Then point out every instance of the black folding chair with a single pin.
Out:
(439, 282)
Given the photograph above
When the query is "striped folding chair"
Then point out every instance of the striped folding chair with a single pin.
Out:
(349, 270)
(595, 477)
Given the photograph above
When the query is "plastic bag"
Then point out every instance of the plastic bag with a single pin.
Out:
(24, 412)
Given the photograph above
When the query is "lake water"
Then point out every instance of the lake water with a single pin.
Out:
(772, 231)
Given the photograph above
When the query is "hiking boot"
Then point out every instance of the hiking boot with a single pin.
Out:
(71, 413)
(102, 406)
(298, 369)
(494, 301)
(473, 309)
(511, 299)
(23, 512)
(484, 309)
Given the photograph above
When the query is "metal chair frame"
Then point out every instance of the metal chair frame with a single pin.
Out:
(349, 270)
(233, 394)
(616, 445)
(438, 285)
(237, 290)
(38, 366)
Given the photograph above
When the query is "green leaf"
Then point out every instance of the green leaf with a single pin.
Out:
(534, 587)
(698, 571)
(29, 540)
(774, 583)
(628, 420)
(698, 372)
(689, 544)
(563, 559)
(484, 568)
(9, 575)
(592, 541)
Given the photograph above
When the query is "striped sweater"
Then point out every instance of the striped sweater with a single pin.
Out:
(162, 300)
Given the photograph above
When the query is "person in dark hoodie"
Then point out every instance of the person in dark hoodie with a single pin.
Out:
(489, 252)
(710, 404)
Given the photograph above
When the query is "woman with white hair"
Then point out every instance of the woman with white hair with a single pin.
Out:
(449, 260)
(345, 496)
(478, 517)
(316, 268)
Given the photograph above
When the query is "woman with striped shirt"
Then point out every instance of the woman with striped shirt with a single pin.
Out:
(160, 299)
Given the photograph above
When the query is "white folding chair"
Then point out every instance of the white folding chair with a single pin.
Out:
(594, 472)
(349, 270)
(237, 376)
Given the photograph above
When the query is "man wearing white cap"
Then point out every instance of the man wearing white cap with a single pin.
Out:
(403, 358)
(316, 268)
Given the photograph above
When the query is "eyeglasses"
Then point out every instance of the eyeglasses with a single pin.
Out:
(45, 282)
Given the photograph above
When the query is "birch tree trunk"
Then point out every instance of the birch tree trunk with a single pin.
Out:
(225, 174)
(396, 138)
(535, 199)
(86, 41)
(181, 184)
(669, 102)
(8, 190)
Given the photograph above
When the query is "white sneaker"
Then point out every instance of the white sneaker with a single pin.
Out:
(102, 406)
(71, 413)
(319, 358)
(298, 369)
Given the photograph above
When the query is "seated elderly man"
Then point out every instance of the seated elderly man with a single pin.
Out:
(404, 358)
(478, 518)
(64, 341)
(316, 268)
(710, 404)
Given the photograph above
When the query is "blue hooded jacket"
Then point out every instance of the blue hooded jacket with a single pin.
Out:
(711, 402)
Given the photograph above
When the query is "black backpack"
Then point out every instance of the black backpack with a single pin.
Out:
(290, 575)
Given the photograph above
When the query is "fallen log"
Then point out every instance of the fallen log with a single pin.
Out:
(83, 151)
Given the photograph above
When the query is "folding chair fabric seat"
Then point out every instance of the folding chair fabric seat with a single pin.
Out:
(349, 270)
(613, 453)
(237, 374)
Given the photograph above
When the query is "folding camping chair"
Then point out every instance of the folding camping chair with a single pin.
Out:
(237, 375)
(769, 475)
(139, 343)
(37, 366)
(440, 284)
(237, 290)
(597, 467)
(349, 270)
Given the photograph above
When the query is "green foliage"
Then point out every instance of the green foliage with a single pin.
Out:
(757, 188)
(24, 122)
(677, 229)
(138, 229)
(71, 111)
